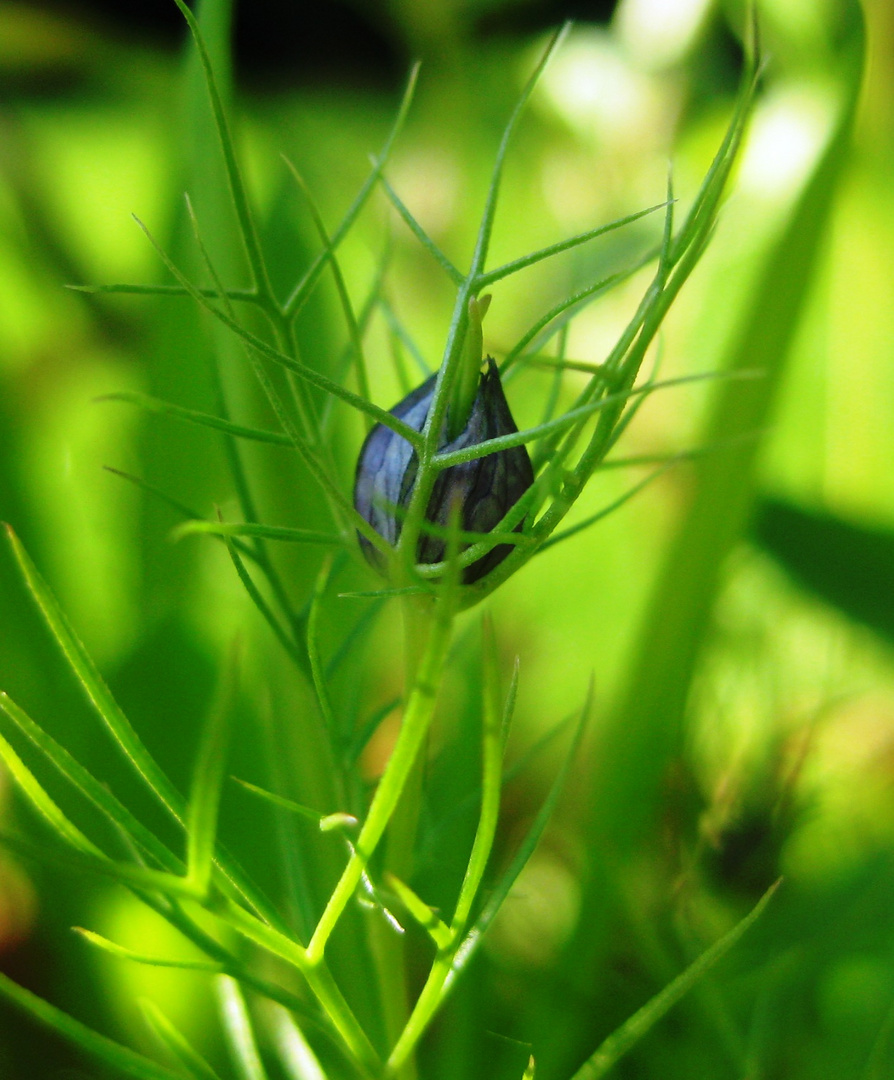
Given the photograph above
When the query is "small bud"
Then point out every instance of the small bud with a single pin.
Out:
(486, 487)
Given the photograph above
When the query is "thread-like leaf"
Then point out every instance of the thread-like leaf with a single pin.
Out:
(91, 788)
(484, 280)
(94, 686)
(239, 1030)
(208, 777)
(295, 1053)
(122, 953)
(629, 1033)
(267, 532)
(42, 802)
(176, 1042)
(125, 1061)
(192, 416)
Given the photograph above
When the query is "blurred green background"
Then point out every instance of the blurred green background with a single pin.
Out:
(779, 759)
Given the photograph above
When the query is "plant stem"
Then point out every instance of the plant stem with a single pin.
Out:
(417, 718)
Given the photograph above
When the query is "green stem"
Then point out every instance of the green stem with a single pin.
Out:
(417, 718)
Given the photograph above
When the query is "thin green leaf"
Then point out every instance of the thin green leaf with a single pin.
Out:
(482, 924)
(156, 405)
(234, 459)
(625, 1037)
(208, 777)
(421, 235)
(616, 504)
(366, 731)
(567, 307)
(305, 285)
(248, 295)
(449, 965)
(41, 801)
(298, 1059)
(239, 1029)
(175, 504)
(340, 286)
(308, 374)
(91, 788)
(103, 1049)
(94, 686)
(130, 875)
(176, 1042)
(398, 329)
(263, 607)
(247, 229)
(122, 953)
(424, 915)
(574, 416)
(268, 532)
(490, 207)
(495, 720)
(484, 280)
(316, 816)
(384, 594)
(324, 700)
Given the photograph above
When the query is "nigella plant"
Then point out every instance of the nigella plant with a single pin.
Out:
(450, 499)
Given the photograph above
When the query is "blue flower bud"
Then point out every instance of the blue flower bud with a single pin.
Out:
(486, 487)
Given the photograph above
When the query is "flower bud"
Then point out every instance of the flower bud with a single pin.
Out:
(486, 487)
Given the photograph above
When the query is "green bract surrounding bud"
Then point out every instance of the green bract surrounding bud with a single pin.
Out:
(485, 488)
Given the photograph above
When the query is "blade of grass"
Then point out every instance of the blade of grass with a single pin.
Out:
(127, 1062)
(648, 720)
(621, 1041)
(119, 726)
(331, 729)
(645, 729)
(495, 720)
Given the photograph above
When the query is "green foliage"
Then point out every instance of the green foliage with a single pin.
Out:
(361, 912)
